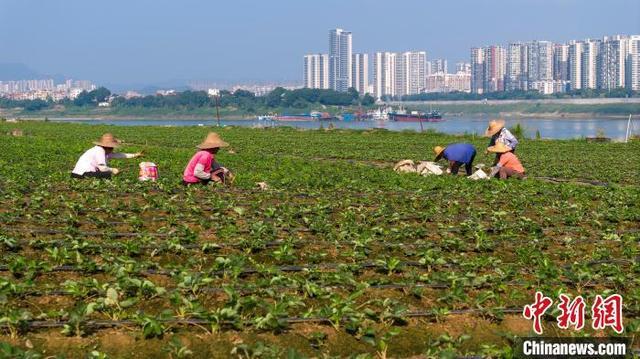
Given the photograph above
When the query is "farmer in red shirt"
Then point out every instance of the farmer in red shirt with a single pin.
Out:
(202, 168)
(508, 163)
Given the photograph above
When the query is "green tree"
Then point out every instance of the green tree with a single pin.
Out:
(367, 100)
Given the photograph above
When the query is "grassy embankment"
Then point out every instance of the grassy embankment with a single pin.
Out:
(517, 109)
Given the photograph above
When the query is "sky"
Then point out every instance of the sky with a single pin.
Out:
(128, 42)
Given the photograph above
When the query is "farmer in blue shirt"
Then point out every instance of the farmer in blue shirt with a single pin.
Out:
(457, 154)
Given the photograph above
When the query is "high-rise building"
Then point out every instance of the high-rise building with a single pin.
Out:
(410, 72)
(463, 67)
(399, 74)
(340, 51)
(437, 66)
(589, 64)
(477, 70)
(540, 61)
(561, 62)
(441, 82)
(360, 72)
(384, 71)
(632, 80)
(612, 62)
(516, 69)
(494, 68)
(575, 65)
(316, 71)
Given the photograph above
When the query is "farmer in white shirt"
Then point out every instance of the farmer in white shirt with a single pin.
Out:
(93, 163)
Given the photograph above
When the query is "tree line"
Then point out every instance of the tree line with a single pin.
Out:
(187, 100)
(303, 98)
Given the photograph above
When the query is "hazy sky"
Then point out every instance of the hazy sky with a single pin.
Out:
(154, 41)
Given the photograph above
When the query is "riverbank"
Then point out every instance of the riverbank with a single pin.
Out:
(578, 108)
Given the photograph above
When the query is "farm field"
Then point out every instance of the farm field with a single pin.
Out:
(339, 256)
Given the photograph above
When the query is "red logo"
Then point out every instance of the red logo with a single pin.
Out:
(608, 313)
(605, 312)
(536, 310)
(571, 312)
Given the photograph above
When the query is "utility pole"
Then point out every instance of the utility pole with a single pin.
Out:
(218, 108)
(216, 94)
(626, 137)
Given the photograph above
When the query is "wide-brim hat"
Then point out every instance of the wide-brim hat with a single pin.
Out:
(213, 140)
(438, 150)
(107, 140)
(494, 127)
(499, 147)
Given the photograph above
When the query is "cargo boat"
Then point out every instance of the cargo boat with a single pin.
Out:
(402, 116)
(313, 116)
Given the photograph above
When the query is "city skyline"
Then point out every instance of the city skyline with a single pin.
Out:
(155, 42)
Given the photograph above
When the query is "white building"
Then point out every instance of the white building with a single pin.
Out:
(437, 66)
(632, 80)
(411, 72)
(589, 64)
(442, 82)
(575, 65)
(516, 67)
(494, 68)
(384, 74)
(611, 62)
(540, 61)
(561, 62)
(360, 72)
(316, 71)
(340, 51)
(463, 67)
(399, 74)
(477, 70)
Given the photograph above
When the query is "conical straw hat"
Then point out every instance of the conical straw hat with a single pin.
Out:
(107, 140)
(499, 148)
(213, 140)
(438, 151)
(494, 127)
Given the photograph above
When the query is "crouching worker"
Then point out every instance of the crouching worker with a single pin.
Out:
(94, 162)
(497, 133)
(203, 168)
(508, 163)
(457, 154)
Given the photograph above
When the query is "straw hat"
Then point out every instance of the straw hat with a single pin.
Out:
(499, 148)
(213, 140)
(494, 127)
(107, 140)
(438, 151)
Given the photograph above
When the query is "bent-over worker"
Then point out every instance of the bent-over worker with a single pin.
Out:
(457, 154)
(203, 168)
(508, 163)
(94, 162)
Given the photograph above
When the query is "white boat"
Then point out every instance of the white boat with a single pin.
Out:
(380, 114)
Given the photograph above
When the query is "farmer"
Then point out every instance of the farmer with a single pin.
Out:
(508, 163)
(498, 133)
(94, 162)
(203, 168)
(457, 154)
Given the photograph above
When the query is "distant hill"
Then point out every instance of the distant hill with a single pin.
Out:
(17, 71)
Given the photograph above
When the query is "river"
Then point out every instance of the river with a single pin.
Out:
(555, 128)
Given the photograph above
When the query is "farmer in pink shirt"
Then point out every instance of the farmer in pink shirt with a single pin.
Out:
(508, 163)
(203, 168)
